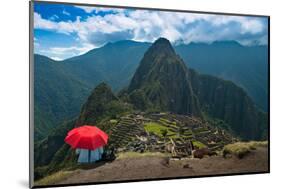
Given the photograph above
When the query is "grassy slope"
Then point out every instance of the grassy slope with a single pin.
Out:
(156, 128)
(240, 149)
(56, 177)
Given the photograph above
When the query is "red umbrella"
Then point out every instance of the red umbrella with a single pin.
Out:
(86, 137)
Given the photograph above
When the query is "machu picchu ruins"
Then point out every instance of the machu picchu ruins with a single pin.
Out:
(161, 132)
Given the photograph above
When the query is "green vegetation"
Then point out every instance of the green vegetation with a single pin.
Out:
(240, 60)
(54, 178)
(45, 150)
(216, 122)
(52, 154)
(198, 144)
(164, 132)
(240, 149)
(113, 121)
(187, 133)
(153, 84)
(156, 128)
(165, 120)
(102, 104)
(200, 130)
(248, 124)
(125, 155)
(58, 95)
(220, 99)
(61, 87)
(139, 100)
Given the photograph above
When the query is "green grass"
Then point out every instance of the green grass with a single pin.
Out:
(163, 123)
(187, 133)
(175, 136)
(198, 144)
(156, 128)
(187, 137)
(174, 123)
(240, 149)
(165, 120)
(255, 144)
(113, 121)
(54, 178)
(124, 155)
(200, 130)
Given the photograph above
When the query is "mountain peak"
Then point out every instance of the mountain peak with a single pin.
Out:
(159, 54)
(102, 86)
(96, 104)
(162, 45)
(162, 41)
(161, 82)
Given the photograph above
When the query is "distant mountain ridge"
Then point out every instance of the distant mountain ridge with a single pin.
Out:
(61, 87)
(247, 66)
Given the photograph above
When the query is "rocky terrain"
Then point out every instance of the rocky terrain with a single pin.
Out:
(155, 167)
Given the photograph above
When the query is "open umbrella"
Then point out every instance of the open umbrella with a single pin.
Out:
(86, 137)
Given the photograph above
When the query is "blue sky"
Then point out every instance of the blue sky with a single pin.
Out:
(62, 31)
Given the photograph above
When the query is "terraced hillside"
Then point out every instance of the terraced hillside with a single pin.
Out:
(126, 129)
(156, 132)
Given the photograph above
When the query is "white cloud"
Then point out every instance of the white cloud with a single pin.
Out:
(54, 17)
(65, 13)
(61, 27)
(147, 26)
(56, 58)
(61, 53)
(73, 49)
(36, 44)
(87, 9)
(252, 26)
(96, 10)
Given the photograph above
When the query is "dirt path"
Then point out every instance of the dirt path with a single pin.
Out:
(154, 167)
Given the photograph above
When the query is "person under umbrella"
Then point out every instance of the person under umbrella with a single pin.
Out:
(88, 142)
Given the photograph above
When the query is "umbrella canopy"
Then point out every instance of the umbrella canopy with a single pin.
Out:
(86, 137)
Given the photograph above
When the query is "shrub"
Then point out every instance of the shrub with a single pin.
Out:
(198, 144)
(164, 132)
(240, 149)
(156, 128)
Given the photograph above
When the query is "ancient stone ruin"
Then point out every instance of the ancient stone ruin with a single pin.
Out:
(182, 133)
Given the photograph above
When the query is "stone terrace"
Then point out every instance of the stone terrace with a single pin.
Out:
(129, 134)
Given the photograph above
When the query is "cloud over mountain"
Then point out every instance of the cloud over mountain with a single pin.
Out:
(102, 25)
